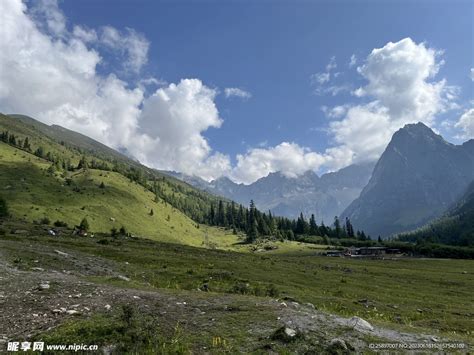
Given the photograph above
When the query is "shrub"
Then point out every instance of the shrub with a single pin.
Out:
(59, 223)
(45, 220)
(3, 208)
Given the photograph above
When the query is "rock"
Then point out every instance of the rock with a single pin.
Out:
(136, 297)
(285, 334)
(360, 324)
(112, 219)
(37, 269)
(435, 339)
(464, 272)
(310, 305)
(283, 304)
(59, 252)
(43, 286)
(337, 344)
(73, 312)
(107, 307)
(123, 278)
(57, 311)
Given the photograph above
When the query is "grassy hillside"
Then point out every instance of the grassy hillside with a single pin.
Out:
(64, 149)
(34, 191)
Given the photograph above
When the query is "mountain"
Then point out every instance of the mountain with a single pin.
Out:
(325, 196)
(456, 227)
(417, 178)
(40, 180)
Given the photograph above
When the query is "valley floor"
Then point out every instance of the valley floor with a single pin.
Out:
(138, 295)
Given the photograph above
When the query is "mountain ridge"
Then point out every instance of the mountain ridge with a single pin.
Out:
(325, 196)
(417, 178)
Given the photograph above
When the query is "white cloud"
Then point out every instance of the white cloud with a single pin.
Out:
(352, 61)
(132, 45)
(288, 158)
(320, 78)
(331, 65)
(47, 15)
(398, 77)
(55, 80)
(236, 92)
(466, 123)
(472, 74)
(336, 111)
(174, 118)
(400, 83)
(85, 34)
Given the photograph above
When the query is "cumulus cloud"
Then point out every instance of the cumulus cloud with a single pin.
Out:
(288, 158)
(466, 124)
(237, 92)
(55, 80)
(48, 16)
(174, 118)
(400, 82)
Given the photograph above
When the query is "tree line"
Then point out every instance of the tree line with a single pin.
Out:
(255, 223)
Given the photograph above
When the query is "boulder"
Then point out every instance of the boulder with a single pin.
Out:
(360, 324)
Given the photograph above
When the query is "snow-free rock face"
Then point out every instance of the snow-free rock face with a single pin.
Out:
(416, 179)
(325, 197)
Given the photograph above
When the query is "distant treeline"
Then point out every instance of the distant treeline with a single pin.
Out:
(256, 224)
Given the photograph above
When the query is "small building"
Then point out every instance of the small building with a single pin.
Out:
(372, 251)
(365, 252)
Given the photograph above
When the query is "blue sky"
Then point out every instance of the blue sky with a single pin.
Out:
(272, 49)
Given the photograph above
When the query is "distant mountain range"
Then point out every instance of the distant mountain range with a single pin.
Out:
(417, 178)
(326, 196)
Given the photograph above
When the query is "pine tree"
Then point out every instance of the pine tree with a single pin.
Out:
(84, 224)
(349, 228)
(313, 227)
(252, 233)
(82, 163)
(337, 227)
(301, 225)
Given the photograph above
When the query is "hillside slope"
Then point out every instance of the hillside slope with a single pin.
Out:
(455, 227)
(36, 187)
(417, 178)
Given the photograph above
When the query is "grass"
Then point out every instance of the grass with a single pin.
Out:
(417, 295)
(33, 193)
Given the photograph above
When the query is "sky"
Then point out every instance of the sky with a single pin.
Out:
(241, 88)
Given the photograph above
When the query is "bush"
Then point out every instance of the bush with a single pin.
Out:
(45, 220)
(59, 223)
(3, 208)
